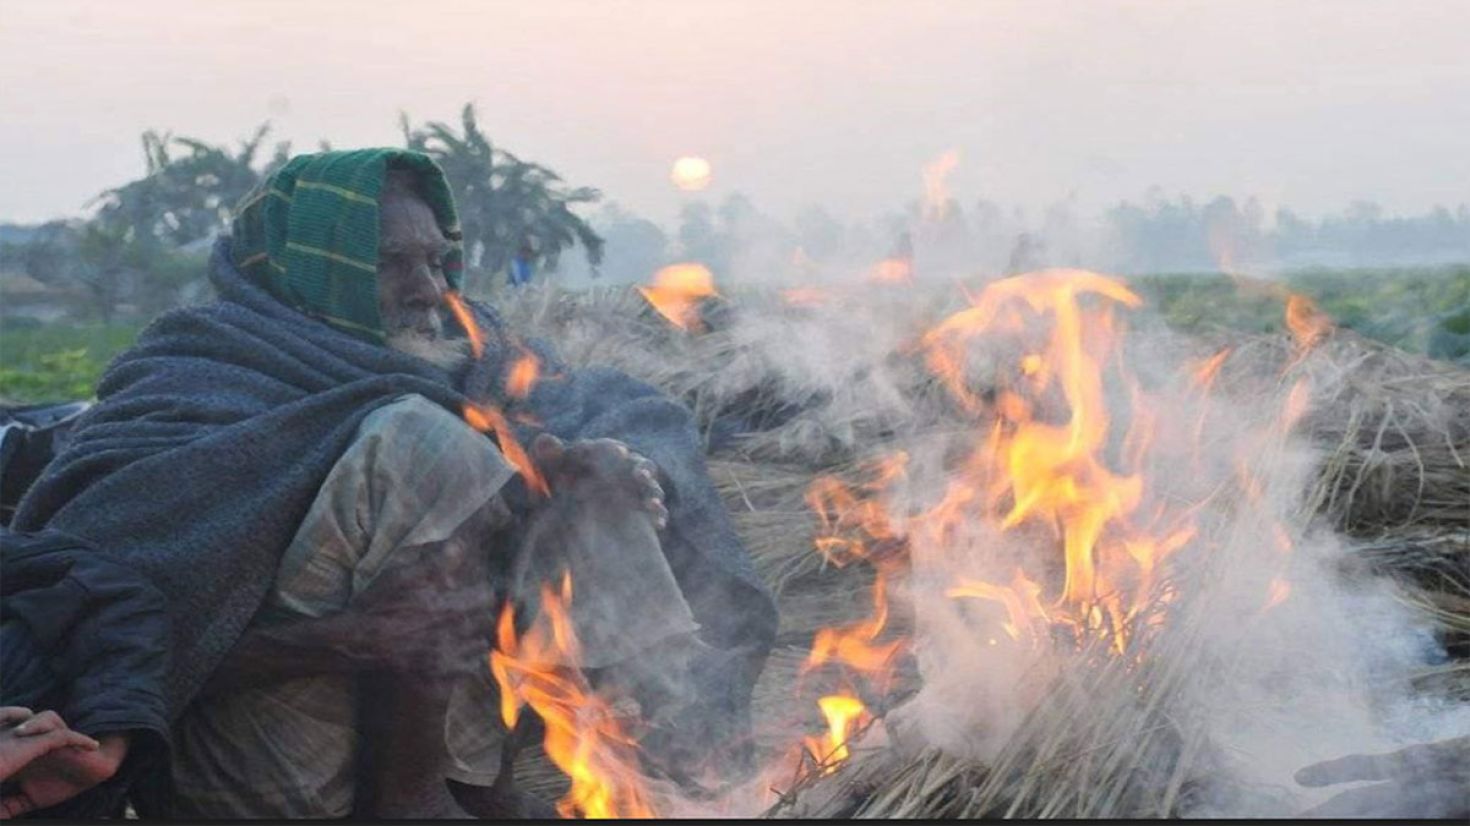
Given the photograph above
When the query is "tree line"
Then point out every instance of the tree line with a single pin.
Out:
(142, 249)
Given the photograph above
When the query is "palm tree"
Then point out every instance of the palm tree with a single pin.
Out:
(129, 251)
(508, 207)
(185, 198)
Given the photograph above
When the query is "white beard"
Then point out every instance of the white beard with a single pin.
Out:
(445, 353)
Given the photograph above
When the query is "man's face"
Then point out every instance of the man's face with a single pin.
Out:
(411, 252)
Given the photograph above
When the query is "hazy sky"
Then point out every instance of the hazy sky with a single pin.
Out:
(1304, 103)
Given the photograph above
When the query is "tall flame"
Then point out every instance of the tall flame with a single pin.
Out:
(488, 418)
(584, 737)
(466, 320)
(936, 184)
(1034, 471)
(1046, 462)
(853, 526)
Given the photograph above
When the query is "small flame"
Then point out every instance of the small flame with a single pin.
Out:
(488, 418)
(523, 375)
(466, 321)
(856, 646)
(852, 523)
(804, 296)
(893, 271)
(1277, 593)
(1021, 599)
(844, 714)
(1298, 402)
(584, 737)
(1209, 369)
(850, 520)
(676, 291)
(936, 184)
(1308, 324)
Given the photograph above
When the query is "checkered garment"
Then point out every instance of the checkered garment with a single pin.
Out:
(309, 233)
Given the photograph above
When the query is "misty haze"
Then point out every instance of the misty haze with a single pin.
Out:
(815, 409)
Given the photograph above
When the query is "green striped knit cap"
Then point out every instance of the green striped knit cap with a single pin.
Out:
(309, 233)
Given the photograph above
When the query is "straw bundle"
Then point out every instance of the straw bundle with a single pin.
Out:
(1393, 429)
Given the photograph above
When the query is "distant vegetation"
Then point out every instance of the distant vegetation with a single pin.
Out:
(1422, 310)
(60, 361)
(144, 247)
(74, 292)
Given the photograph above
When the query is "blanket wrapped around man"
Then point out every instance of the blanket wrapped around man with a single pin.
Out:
(212, 435)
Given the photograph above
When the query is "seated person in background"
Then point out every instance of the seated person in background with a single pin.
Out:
(58, 763)
(86, 635)
(289, 467)
(26, 736)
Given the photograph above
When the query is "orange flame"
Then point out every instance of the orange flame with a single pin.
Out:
(1277, 593)
(466, 321)
(584, 737)
(804, 296)
(1049, 461)
(676, 291)
(1308, 324)
(1051, 474)
(844, 714)
(487, 418)
(936, 184)
(523, 375)
(850, 523)
(1045, 463)
(856, 645)
(1021, 600)
(1205, 373)
(893, 271)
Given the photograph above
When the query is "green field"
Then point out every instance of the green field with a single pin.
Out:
(1423, 310)
(58, 361)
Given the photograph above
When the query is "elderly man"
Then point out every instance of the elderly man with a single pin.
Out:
(290, 468)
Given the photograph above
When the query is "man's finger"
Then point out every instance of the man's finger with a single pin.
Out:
(14, 714)
(79, 740)
(40, 724)
(651, 489)
(1352, 767)
(659, 512)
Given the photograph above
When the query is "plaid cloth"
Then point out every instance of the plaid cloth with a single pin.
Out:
(287, 750)
(413, 475)
(309, 233)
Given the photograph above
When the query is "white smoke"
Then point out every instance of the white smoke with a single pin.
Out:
(1275, 656)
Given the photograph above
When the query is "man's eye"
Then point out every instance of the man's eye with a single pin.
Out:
(436, 263)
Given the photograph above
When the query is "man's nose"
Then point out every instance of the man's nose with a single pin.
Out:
(426, 291)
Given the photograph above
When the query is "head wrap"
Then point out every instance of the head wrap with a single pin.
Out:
(309, 233)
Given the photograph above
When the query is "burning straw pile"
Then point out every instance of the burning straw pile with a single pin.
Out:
(1034, 563)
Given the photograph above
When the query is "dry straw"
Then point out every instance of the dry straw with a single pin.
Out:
(1393, 430)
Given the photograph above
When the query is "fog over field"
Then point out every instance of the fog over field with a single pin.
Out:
(1307, 105)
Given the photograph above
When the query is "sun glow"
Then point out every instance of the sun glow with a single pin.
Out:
(691, 173)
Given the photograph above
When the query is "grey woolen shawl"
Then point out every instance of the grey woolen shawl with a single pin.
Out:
(211, 436)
